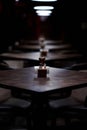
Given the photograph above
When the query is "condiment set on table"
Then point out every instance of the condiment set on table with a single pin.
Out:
(42, 69)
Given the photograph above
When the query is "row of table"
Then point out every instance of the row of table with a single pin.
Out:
(26, 80)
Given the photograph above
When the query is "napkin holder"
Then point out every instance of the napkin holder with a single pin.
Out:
(42, 72)
(43, 52)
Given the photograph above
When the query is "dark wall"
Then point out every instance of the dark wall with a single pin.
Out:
(6, 24)
(16, 22)
(69, 23)
(74, 17)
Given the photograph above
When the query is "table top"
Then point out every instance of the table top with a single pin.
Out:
(36, 55)
(26, 80)
(37, 47)
(36, 42)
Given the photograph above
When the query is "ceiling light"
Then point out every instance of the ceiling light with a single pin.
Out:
(43, 7)
(40, 14)
(43, 12)
(17, 0)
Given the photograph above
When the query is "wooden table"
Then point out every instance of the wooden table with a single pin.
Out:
(32, 58)
(36, 42)
(37, 47)
(26, 81)
(36, 55)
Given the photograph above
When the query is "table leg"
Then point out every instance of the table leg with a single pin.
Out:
(39, 112)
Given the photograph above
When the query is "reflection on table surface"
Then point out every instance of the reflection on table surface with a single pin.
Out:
(35, 42)
(36, 55)
(37, 47)
(26, 80)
